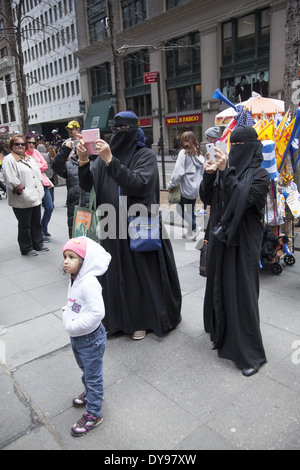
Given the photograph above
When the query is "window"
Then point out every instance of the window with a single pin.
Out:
(184, 98)
(4, 112)
(265, 28)
(8, 84)
(227, 39)
(135, 65)
(243, 38)
(134, 12)
(175, 3)
(141, 105)
(245, 33)
(101, 80)
(183, 55)
(4, 52)
(246, 55)
(97, 20)
(12, 111)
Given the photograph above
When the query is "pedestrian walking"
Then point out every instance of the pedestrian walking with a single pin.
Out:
(237, 196)
(188, 174)
(25, 193)
(47, 201)
(211, 135)
(141, 289)
(82, 318)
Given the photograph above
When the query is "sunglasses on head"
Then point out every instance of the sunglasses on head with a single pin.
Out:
(19, 144)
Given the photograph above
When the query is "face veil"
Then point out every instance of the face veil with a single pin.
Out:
(245, 151)
(124, 137)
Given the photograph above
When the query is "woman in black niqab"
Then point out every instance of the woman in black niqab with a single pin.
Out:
(141, 291)
(237, 196)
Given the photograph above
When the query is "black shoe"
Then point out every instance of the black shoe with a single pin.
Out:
(250, 371)
(47, 234)
(44, 248)
(30, 253)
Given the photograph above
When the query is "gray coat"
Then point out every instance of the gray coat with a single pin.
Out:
(188, 172)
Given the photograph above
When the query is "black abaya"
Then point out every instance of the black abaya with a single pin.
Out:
(140, 290)
(231, 313)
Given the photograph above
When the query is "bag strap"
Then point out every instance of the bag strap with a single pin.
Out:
(93, 197)
(122, 200)
(206, 236)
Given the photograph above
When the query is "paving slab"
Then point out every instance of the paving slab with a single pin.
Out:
(168, 394)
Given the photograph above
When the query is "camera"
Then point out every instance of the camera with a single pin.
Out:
(219, 231)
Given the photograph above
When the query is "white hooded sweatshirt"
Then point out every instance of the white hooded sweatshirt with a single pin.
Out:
(85, 307)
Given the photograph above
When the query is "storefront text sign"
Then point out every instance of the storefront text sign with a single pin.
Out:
(183, 120)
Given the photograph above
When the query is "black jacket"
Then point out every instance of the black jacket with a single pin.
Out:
(68, 168)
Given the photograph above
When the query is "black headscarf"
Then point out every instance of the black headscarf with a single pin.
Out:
(123, 143)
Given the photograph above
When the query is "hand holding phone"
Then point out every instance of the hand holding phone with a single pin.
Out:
(211, 151)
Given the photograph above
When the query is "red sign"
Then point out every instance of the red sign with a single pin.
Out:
(150, 77)
(4, 129)
(146, 122)
(184, 120)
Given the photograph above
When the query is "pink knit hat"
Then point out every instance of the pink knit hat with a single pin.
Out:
(78, 245)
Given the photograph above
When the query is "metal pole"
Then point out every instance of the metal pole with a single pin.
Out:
(161, 132)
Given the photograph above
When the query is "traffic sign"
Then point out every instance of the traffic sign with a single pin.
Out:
(150, 77)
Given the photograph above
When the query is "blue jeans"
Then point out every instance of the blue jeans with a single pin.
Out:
(47, 204)
(187, 207)
(88, 351)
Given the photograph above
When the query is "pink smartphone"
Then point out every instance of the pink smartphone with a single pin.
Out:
(89, 137)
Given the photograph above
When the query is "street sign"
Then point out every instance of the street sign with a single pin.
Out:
(150, 77)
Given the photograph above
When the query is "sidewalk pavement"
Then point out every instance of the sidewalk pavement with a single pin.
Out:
(171, 394)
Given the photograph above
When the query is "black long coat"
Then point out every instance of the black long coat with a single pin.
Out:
(140, 290)
(231, 313)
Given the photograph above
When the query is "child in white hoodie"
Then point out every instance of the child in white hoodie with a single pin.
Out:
(82, 318)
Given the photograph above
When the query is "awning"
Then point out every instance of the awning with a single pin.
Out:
(98, 116)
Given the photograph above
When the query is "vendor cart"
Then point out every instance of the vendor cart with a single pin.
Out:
(279, 134)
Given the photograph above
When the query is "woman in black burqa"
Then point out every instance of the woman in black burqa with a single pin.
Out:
(237, 195)
(141, 290)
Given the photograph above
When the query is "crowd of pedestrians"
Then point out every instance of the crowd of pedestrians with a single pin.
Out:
(114, 289)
